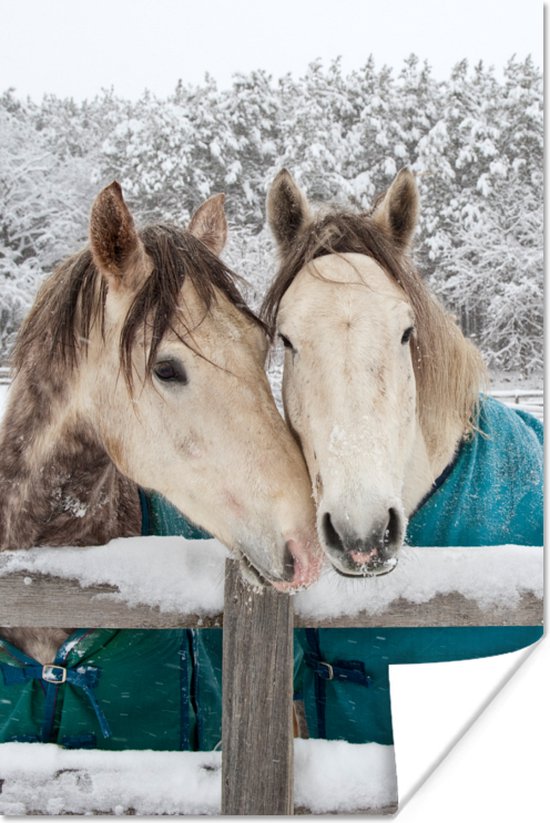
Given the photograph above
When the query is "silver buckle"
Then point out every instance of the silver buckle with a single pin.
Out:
(54, 674)
(329, 669)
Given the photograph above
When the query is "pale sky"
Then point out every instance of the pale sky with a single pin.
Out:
(76, 47)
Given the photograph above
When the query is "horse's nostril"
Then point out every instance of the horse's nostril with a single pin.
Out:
(288, 564)
(392, 533)
(332, 538)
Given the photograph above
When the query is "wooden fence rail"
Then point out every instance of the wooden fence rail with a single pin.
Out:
(22, 604)
(258, 627)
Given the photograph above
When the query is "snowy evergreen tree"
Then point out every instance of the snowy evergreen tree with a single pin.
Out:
(252, 118)
(368, 149)
(148, 152)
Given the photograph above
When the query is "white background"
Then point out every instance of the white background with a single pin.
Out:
(500, 769)
(76, 47)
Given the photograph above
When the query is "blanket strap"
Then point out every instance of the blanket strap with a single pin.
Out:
(84, 677)
(352, 671)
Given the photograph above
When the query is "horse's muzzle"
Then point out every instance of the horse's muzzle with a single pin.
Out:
(303, 562)
(371, 555)
(301, 566)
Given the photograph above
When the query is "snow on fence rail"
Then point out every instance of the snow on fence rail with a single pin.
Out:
(118, 586)
(5, 375)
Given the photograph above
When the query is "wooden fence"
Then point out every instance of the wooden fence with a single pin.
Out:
(530, 400)
(257, 706)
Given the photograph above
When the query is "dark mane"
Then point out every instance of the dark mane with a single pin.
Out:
(335, 233)
(72, 300)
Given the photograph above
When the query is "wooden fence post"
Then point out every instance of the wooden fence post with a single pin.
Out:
(257, 741)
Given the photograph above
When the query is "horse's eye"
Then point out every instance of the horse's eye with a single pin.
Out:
(170, 371)
(286, 343)
(407, 335)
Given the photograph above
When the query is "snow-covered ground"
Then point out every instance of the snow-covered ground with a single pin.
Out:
(330, 776)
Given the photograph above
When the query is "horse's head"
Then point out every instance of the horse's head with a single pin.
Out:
(174, 384)
(345, 304)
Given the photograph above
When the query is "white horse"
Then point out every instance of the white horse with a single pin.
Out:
(140, 365)
(380, 386)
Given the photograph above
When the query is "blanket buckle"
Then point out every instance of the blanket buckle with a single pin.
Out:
(52, 673)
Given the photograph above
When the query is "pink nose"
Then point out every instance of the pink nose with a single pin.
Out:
(306, 560)
(370, 556)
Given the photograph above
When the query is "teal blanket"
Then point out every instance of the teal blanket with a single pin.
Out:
(492, 494)
(115, 689)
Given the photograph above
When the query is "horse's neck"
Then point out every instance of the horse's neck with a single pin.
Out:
(426, 464)
(57, 484)
(41, 643)
(447, 401)
(57, 487)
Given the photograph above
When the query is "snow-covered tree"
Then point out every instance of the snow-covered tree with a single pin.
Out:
(44, 203)
(252, 138)
(495, 270)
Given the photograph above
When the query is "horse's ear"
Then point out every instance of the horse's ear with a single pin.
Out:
(397, 211)
(209, 224)
(287, 208)
(115, 245)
